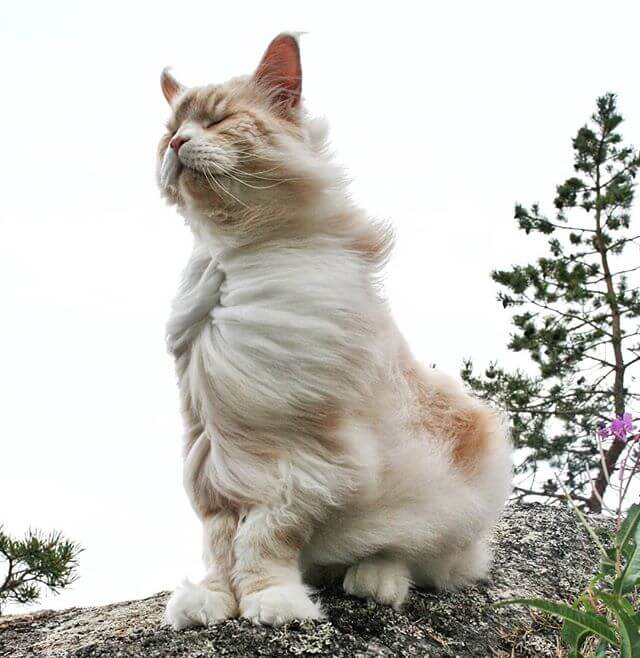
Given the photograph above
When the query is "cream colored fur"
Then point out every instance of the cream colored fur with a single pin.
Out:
(316, 447)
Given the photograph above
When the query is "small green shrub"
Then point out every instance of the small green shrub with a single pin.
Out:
(37, 561)
(608, 607)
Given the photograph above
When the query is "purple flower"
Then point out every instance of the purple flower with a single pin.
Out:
(603, 431)
(622, 427)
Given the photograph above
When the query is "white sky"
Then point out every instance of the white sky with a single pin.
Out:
(445, 113)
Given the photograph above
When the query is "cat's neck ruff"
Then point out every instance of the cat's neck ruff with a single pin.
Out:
(292, 273)
(275, 322)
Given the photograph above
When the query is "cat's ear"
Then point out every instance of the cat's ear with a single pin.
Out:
(170, 86)
(279, 73)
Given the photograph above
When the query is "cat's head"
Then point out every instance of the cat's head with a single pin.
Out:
(242, 156)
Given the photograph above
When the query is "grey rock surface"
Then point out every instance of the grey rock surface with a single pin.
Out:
(539, 551)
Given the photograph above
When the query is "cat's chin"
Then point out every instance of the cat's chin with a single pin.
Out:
(194, 182)
(175, 174)
(197, 192)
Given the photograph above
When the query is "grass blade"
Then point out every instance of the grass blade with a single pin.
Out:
(586, 620)
(628, 529)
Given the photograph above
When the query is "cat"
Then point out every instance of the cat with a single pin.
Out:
(317, 449)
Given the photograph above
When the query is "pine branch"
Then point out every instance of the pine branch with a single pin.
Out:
(614, 274)
(564, 314)
(8, 579)
(548, 494)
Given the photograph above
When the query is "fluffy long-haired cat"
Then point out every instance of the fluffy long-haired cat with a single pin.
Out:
(316, 447)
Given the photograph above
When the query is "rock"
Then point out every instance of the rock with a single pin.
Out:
(540, 551)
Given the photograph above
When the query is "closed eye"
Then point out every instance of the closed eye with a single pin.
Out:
(211, 124)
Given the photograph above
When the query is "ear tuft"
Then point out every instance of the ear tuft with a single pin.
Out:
(280, 73)
(170, 86)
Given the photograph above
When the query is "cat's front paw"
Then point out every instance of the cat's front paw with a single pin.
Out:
(380, 580)
(277, 605)
(195, 605)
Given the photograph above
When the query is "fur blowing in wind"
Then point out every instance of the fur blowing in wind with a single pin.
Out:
(316, 447)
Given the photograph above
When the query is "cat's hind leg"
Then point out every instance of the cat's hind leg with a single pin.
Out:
(455, 569)
(384, 580)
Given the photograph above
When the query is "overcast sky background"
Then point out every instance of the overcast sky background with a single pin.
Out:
(445, 114)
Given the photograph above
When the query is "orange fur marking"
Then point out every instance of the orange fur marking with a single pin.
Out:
(471, 438)
(462, 422)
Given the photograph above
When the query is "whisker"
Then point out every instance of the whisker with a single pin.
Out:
(221, 186)
(253, 187)
(253, 174)
(211, 182)
(263, 171)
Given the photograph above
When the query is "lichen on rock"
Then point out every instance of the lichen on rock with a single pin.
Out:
(539, 551)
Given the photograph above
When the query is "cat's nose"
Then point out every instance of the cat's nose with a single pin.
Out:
(178, 141)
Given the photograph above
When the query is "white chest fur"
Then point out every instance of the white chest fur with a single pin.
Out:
(264, 335)
(197, 297)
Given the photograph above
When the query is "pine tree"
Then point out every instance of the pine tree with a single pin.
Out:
(576, 315)
(34, 562)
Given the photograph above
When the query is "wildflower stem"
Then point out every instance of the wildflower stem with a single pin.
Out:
(583, 521)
